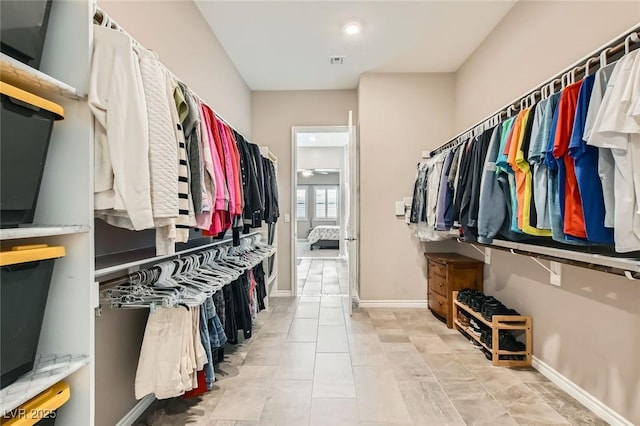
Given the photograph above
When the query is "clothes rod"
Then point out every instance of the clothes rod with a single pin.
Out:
(100, 15)
(613, 47)
(124, 266)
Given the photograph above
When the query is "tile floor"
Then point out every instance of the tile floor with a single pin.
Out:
(303, 249)
(309, 363)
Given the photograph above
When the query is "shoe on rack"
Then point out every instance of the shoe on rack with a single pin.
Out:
(476, 302)
(508, 342)
(488, 354)
(490, 307)
(463, 319)
(486, 337)
(475, 327)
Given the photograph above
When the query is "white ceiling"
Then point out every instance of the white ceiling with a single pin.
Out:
(322, 139)
(286, 45)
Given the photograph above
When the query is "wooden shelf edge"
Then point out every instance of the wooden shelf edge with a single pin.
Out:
(519, 353)
(468, 331)
(470, 311)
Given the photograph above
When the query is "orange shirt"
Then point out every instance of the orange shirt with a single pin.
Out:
(573, 214)
(514, 144)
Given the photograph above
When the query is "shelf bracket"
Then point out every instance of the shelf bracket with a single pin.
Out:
(554, 269)
(486, 253)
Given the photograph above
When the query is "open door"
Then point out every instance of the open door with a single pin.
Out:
(352, 215)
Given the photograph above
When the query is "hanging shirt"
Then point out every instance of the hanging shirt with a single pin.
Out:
(606, 163)
(540, 140)
(555, 189)
(527, 216)
(522, 122)
(510, 149)
(617, 127)
(492, 211)
(568, 192)
(122, 181)
(586, 169)
(444, 192)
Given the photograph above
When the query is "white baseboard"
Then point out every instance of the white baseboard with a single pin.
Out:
(393, 303)
(135, 413)
(585, 398)
(280, 293)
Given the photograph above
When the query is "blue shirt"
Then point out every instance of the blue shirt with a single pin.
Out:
(586, 168)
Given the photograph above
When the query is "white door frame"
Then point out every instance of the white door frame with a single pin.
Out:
(294, 184)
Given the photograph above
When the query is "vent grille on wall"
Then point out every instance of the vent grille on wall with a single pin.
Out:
(336, 60)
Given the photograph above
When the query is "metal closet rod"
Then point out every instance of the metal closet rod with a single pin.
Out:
(124, 266)
(577, 263)
(608, 50)
(99, 16)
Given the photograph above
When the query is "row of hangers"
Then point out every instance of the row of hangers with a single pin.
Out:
(100, 17)
(188, 280)
(591, 65)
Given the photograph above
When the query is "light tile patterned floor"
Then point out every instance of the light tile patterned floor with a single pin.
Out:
(309, 363)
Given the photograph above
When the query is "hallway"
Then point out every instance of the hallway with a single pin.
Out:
(323, 277)
(309, 363)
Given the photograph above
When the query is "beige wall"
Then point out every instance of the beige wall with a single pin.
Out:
(192, 52)
(534, 41)
(176, 30)
(400, 115)
(272, 115)
(588, 328)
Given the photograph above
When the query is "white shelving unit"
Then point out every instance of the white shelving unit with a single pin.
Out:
(271, 274)
(18, 74)
(41, 231)
(49, 369)
(64, 215)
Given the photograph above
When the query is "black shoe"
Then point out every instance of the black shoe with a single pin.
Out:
(477, 300)
(486, 337)
(509, 343)
(488, 354)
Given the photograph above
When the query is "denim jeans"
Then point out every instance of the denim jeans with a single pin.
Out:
(206, 342)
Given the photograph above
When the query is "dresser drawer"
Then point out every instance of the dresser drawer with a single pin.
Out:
(438, 304)
(437, 269)
(438, 284)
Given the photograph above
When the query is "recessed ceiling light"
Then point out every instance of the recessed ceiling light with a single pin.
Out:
(307, 173)
(352, 28)
(313, 139)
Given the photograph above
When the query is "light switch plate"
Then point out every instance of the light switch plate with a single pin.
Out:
(399, 208)
(287, 218)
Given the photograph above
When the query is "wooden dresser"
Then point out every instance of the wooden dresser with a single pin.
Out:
(450, 272)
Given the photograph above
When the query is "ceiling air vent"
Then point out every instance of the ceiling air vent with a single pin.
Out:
(336, 60)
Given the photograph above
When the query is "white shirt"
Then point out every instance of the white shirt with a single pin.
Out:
(116, 99)
(615, 127)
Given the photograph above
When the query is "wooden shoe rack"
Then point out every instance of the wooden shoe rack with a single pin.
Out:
(498, 323)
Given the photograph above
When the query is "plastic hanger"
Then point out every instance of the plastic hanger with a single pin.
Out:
(631, 38)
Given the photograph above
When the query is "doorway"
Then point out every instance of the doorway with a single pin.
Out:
(320, 203)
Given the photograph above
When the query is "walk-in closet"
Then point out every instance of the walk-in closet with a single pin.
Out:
(319, 213)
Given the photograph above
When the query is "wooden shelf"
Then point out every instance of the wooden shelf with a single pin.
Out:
(41, 231)
(48, 370)
(470, 311)
(27, 78)
(499, 323)
(470, 333)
